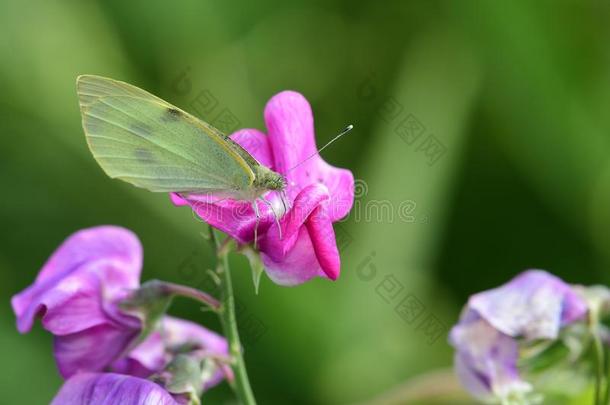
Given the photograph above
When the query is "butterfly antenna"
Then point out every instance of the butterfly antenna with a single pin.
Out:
(345, 131)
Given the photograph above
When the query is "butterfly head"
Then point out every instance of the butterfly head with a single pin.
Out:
(268, 180)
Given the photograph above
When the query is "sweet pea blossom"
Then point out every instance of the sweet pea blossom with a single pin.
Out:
(158, 349)
(110, 389)
(318, 195)
(534, 305)
(76, 294)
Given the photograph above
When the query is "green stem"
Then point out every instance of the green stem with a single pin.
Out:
(192, 293)
(606, 399)
(598, 351)
(229, 325)
(599, 360)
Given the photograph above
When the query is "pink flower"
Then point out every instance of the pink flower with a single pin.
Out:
(533, 306)
(77, 294)
(319, 194)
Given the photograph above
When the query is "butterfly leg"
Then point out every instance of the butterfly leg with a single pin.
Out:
(283, 198)
(277, 219)
(258, 218)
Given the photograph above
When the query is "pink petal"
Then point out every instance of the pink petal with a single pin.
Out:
(324, 244)
(235, 218)
(291, 134)
(256, 143)
(105, 242)
(486, 360)
(105, 256)
(92, 349)
(297, 266)
(340, 185)
(74, 305)
(535, 304)
(151, 356)
(306, 251)
(110, 389)
(179, 332)
(177, 200)
(290, 124)
(147, 358)
(129, 366)
(277, 247)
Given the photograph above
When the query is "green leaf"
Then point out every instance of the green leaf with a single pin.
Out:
(256, 265)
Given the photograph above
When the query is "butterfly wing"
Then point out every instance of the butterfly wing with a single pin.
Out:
(141, 139)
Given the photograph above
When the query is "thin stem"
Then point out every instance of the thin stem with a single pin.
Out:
(606, 400)
(599, 362)
(192, 293)
(598, 352)
(229, 325)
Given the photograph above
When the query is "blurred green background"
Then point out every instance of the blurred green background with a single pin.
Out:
(515, 94)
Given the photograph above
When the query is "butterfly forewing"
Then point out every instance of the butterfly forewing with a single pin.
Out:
(146, 141)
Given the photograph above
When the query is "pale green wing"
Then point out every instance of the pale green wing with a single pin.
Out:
(141, 139)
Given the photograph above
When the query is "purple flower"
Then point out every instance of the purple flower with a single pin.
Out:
(110, 389)
(77, 293)
(319, 194)
(157, 350)
(534, 305)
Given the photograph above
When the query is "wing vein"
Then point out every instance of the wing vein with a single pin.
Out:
(116, 124)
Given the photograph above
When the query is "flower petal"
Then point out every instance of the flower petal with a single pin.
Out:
(534, 305)
(110, 389)
(92, 349)
(74, 305)
(256, 143)
(235, 218)
(340, 185)
(277, 245)
(153, 355)
(107, 255)
(302, 252)
(177, 200)
(145, 359)
(290, 124)
(297, 266)
(291, 134)
(486, 360)
(323, 240)
(178, 332)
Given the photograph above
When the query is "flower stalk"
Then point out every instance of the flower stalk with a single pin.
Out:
(606, 398)
(601, 384)
(241, 383)
(598, 351)
(192, 293)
